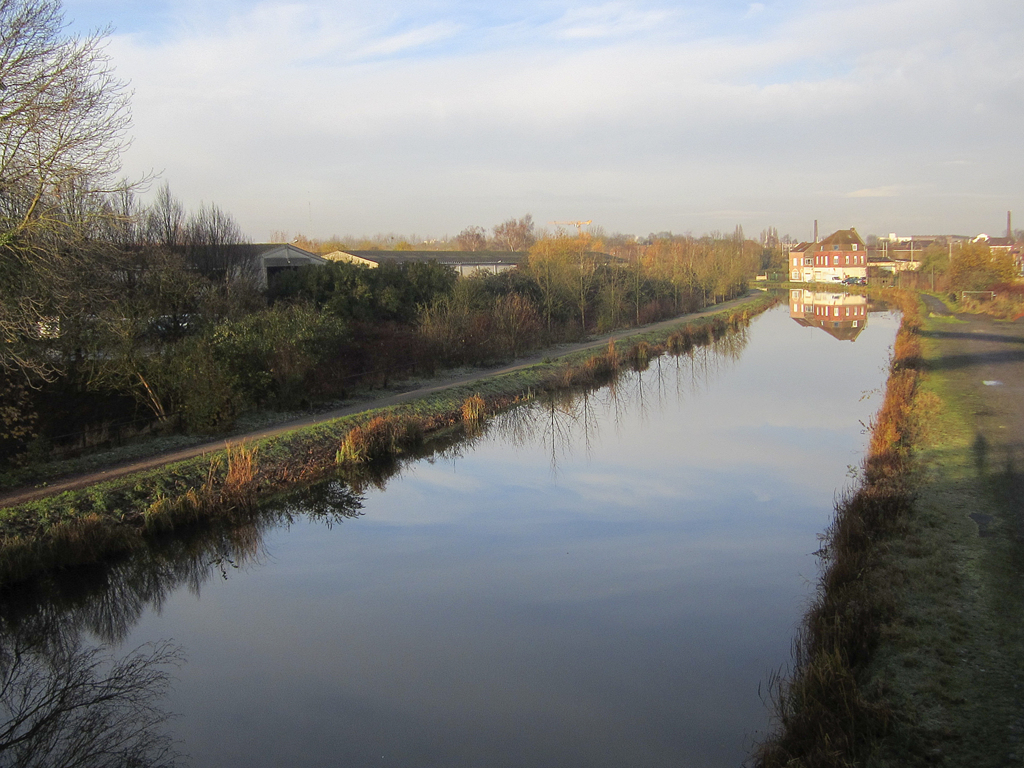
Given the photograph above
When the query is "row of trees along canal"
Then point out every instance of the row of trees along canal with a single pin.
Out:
(117, 315)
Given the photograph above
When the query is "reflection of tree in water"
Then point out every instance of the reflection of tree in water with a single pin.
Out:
(557, 420)
(63, 704)
(564, 420)
(107, 599)
(567, 419)
(328, 502)
(78, 707)
(731, 345)
(658, 376)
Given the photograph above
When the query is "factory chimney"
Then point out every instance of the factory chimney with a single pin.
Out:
(815, 230)
(1009, 227)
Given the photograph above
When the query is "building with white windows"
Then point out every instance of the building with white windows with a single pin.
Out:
(839, 256)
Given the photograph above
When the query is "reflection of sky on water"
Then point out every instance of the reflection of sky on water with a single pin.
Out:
(614, 600)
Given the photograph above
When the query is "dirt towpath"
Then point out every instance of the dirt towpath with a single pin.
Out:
(74, 482)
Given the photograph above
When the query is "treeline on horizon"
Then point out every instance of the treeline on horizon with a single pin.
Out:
(168, 328)
(513, 234)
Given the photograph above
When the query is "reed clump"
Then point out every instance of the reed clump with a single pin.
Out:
(231, 485)
(240, 487)
(474, 409)
(719, 327)
(824, 716)
(594, 371)
(640, 356)
(612, 356)
(680, 342)
(381, 437)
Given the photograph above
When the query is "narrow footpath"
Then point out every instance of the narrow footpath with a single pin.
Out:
(74, 482)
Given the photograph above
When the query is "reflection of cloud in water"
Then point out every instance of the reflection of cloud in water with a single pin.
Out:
(681, 433)
(680, 419)
(565, 422)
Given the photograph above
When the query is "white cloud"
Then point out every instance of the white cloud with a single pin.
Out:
(392, 44)
(894, 190)
(309, 117)
(610, 20)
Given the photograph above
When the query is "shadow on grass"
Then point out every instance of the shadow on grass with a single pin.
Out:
(998, 338)
(959, 362)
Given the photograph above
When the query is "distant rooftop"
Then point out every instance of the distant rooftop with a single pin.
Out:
(441, 257)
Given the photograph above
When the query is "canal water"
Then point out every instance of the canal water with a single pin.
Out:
(607, 579)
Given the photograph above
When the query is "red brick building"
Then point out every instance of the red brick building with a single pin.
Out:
(839, 256)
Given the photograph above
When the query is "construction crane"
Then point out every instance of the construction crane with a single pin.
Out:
(578, 224)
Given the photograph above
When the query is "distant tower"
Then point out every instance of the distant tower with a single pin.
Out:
(815, 230)
(1009, 227)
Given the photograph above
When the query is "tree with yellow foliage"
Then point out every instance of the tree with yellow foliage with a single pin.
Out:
(976, 267)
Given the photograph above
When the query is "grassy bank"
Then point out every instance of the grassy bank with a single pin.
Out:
(84, 526)
(910, 653)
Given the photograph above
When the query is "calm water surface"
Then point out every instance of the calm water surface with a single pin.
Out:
(602, 581)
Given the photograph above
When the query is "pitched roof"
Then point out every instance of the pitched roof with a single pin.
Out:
(285, 255)
(442, 257)
(841, 237)
(456, 258)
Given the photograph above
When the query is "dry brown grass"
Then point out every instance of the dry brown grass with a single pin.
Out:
(612, 355)
(679, 342)
(381, 437)
(474, 409)
(240, 487)
(640, 356)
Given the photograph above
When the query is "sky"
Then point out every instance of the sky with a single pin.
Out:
(423, 117)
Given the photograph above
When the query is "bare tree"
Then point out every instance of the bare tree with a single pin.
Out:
(472, 239)
(165, 219)
(74, 707)
(515, 234)
(63, 123)
(216, 247)
(63, 115)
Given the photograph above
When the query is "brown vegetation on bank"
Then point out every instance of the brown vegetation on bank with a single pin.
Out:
(824, 714)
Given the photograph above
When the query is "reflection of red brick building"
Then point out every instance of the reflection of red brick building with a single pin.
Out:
(840, 255)
(841, 315)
